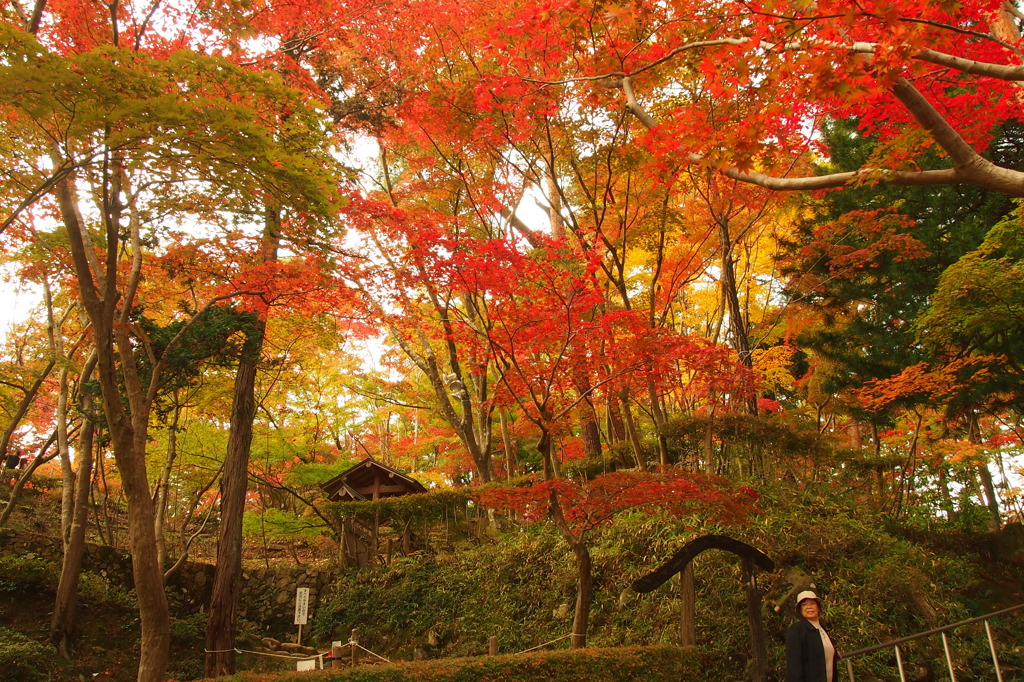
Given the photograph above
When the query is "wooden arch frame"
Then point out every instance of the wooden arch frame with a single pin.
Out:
(751, 557)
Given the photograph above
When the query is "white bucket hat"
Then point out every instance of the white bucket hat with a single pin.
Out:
(807, 594)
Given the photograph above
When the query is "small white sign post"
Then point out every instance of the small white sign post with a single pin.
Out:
(301, 609)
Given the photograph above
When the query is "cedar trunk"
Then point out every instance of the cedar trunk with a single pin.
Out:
(220, 626)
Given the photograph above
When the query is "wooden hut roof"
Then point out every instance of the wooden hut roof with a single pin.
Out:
(370, 480)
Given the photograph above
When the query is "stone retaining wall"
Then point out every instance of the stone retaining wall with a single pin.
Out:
(267, 595)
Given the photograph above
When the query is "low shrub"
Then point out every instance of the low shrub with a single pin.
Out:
(20, 657)
(31, 572)
(27, 572)
(94, 588)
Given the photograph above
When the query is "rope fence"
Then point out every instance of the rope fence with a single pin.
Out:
(318, 657)
(353, 642)
(336, 655)
(541, 646)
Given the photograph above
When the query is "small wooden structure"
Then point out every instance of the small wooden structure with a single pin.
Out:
(370, 480)
(680, 563)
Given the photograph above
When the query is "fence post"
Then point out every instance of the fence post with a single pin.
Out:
(354, 644)
(492, 646)
(337, 649)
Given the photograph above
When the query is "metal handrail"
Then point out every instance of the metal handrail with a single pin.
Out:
(935, 631)
(896, 642)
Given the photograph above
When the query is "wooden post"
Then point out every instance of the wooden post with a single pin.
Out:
(492, 646)
(354, 639)
(342, 542)
(758, 649)
(337, 651)
(687, 607)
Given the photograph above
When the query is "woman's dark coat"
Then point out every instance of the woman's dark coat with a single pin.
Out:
(805, 654)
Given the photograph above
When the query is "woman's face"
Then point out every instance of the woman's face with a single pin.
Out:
(809, 609)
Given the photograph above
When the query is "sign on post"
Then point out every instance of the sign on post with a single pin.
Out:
(301, 605)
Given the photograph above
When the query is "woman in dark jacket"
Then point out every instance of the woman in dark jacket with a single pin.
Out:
(810, 655)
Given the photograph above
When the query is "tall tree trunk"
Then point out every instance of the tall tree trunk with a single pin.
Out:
(508, 443)
(55, 334)
(709, 444)
(584, 574)
(856, 441)
(590, 432)
(616, 429)
(584, 594)
(992, 500)
(62, 624)
(730, 292)
(163, 483)
(220, 626)
(544, 447)
(129, 445)
(985, 476)
(67, 475)
(126, 404)
(658, 414)
(631, 430)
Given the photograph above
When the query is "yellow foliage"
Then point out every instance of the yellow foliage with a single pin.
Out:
(772, 367)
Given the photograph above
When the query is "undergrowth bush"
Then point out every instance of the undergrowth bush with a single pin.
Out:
(20, 657)
(32, 572)
(27, 572)
(877, 586)
(451, 604)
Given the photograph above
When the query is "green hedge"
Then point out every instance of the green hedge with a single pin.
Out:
(430, 506)
(623, 664)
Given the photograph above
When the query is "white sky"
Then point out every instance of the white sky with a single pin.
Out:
(16, 302)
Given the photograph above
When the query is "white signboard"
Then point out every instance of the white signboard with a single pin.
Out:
(306, 665)
(301, 605)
